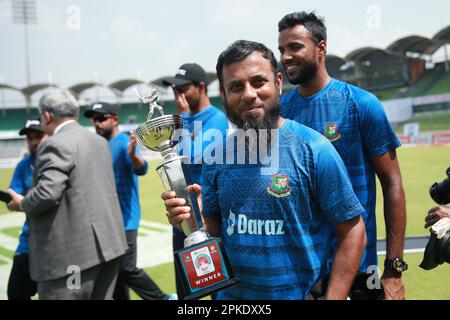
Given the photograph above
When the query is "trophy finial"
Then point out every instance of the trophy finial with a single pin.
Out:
(152, 100)
(156, 133)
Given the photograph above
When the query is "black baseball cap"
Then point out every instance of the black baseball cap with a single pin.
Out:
(101, 107)
(187, 73)
(31, 124)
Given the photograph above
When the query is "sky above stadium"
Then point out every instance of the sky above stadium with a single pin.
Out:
(106, 40)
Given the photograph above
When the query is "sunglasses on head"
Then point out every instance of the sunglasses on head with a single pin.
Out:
(102, 117)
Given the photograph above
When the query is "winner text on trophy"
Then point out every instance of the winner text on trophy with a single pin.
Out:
(202, 263)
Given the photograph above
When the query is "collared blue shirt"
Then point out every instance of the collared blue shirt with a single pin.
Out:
(127, 180)
(21, 182)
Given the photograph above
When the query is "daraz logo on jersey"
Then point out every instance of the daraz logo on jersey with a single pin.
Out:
(331, 131)
(243, 225)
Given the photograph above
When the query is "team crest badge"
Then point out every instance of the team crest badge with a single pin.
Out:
(280, 186)
(332, 132)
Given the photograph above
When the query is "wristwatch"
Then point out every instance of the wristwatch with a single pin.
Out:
(397, 264)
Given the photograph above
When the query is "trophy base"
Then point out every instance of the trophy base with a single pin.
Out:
(206, 292)
(204, 269)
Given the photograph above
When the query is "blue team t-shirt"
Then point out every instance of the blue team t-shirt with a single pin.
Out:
(276, 228)
(355, 122)
(211, 118)
(126, 180)
(21, 182)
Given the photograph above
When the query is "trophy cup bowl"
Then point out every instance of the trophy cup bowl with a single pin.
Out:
(158, 130)
(202, 264)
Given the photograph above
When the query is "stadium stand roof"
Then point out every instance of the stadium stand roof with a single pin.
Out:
(124, 84)
(79, 88)
(211, 77)
(8, 86)
(365, 52)
(158, 82)
(415, 44)
(30, 90)
(443, 36)
(398, 49)
(331, 58)
(334, 64)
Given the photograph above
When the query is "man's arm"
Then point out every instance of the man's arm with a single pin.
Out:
(388, 171)
(18, 180)
(138, 163)
(17, 188)
(351, 243)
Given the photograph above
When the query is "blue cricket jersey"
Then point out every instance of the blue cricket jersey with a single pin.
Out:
(211, 118)
(355, 122)
(126, 180)
(21, 182)
(276, 228)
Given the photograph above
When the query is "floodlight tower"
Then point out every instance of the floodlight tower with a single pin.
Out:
(24, 13)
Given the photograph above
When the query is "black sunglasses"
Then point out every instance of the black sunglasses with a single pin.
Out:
(101, 117)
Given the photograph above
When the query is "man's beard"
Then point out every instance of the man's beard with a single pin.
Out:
(32, 152)
(261, 126)
(194, 104)
(106, 133)
(269, 120)
(307, 73)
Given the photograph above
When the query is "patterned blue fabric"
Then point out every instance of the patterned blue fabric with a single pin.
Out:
(21, 182)
(127, 180)
(276, 228)
(355, 122)
(209, 119)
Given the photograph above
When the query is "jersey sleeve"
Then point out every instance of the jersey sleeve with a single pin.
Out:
(187, 121)
(210, 199)
(143, 170)
(334, 190)
(376, 132)
(18, 179)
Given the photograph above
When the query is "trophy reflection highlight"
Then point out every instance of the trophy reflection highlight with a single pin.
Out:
(202, 264)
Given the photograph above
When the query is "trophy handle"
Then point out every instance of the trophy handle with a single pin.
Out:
(173, 179)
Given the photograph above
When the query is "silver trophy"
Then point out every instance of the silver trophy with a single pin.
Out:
(156, 134)
(202, 264)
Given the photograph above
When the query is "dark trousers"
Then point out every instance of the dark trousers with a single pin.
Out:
(178, 243)
(358, 291)
(20, 285)
(130, 276)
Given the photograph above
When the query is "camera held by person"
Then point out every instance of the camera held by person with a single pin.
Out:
(437, 250)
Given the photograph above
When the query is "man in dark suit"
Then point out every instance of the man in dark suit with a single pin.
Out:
(76, 231)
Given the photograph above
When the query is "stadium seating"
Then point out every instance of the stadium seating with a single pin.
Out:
(387, 94)
(13, 119)
(441, 86)
(425, 84)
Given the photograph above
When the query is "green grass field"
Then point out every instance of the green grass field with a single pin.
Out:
(420, 167)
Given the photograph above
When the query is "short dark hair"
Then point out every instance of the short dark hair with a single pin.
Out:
(312, 23)
(238, 51)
